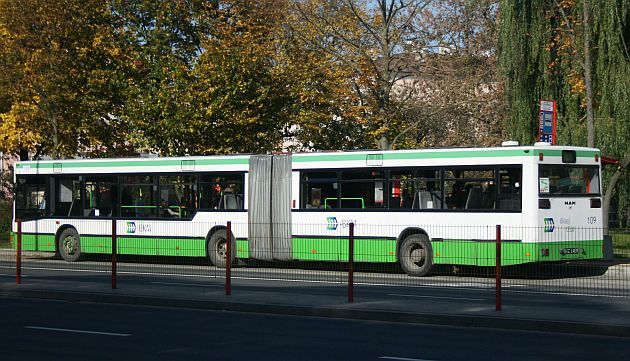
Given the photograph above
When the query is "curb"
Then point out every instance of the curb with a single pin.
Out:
(353, 314)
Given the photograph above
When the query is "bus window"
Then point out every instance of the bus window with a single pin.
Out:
(565, 179)
(30, 197)
(510, 188)
(101, 196)
(362, 189)
(320, 190)
(222, 191)
(472, 188)
(68, 201)
(415, 189)
(178, 196)
(138, 196)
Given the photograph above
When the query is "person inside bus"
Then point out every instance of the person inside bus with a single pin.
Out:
(458, 196)
(166, 210)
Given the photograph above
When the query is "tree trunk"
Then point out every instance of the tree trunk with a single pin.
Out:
(610, 188)
(588, 78)
(55, 136)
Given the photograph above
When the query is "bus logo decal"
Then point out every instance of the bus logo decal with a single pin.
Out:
(332, 223)
(131, 227)
(549, 225)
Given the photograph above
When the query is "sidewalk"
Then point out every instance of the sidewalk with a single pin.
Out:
(590, 315)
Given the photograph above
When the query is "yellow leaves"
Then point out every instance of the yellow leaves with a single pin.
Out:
(15, 131)
(576, 82)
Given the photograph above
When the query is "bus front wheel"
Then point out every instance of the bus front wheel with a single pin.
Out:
(217, 248)
(70, 245)
(415, 255)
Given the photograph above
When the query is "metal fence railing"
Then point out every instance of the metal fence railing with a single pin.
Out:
(543, 260)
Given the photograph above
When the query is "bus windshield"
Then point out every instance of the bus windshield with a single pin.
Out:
(562, 179)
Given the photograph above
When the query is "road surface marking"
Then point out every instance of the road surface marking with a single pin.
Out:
(186, 284)
(402, 358)
(446, 298)
(78, 331)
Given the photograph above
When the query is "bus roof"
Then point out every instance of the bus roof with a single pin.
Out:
(361, 158)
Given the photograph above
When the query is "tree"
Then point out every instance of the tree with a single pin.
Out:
(59, 84)
(375, 41)
(543, 58)
(161, 42)
(237, 81)
(459, 100)
(325, 109)
(205, 78)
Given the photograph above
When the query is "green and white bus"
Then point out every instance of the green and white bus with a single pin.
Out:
(415, 207)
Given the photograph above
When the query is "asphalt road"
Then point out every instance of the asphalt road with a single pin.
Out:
(581, 280)
(54, 330)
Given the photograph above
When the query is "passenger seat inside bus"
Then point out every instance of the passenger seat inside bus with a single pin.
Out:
(426, 200)
(474, 198)
(231, 201)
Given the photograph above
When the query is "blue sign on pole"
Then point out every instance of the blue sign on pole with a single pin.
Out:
(547, 122)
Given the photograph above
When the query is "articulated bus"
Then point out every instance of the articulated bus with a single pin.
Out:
(415, 207)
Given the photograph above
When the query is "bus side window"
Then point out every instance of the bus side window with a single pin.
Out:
(221, 191)
(510, 180)
(68, 201)
(101, 194)
(320, 190)
(30, 197)
(138, 196)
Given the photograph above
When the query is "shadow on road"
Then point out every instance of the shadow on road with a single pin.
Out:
(574, 269)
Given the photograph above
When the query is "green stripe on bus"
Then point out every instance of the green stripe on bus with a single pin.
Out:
(412, 155)
(380, 250)
(36, 242)
(558, 153)
(127, 163)
(475, 253)
(336, 249)
(312, 157)
(437, 155)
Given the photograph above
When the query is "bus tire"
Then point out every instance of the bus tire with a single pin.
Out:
(415, 255)
(70, 245)
(217, 248)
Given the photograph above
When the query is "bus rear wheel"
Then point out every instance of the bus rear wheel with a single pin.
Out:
(70, 245)
(217, 248)
(415, 255)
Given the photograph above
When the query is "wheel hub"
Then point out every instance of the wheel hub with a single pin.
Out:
(417, 255)
(222, 249)
(69, 245)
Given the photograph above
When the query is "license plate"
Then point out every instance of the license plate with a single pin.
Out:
(572, 250)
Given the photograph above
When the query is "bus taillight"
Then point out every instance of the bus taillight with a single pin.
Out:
(544, 203)
(596, 203)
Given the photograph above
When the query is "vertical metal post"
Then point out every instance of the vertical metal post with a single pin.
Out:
(18, 255)
(114, 254)
(351, 264)
(498, 269)
(228, 263)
